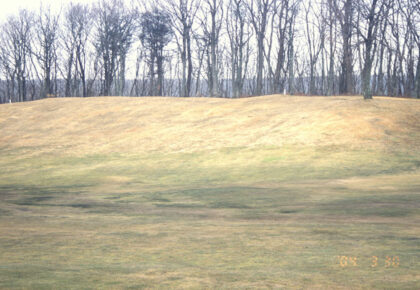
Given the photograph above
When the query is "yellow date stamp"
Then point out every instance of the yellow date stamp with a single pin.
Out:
(373, 261)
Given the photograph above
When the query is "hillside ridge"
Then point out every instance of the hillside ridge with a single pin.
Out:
(130, 125)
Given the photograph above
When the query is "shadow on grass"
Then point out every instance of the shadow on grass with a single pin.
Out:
(385, 205)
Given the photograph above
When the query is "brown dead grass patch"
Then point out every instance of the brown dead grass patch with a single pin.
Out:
(120, 124)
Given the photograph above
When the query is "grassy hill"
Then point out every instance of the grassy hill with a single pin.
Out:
(106, 125)
(273, 191)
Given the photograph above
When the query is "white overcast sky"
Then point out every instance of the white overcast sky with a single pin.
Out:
(11, 7)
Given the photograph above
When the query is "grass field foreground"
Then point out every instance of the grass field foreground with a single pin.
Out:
(268, 192)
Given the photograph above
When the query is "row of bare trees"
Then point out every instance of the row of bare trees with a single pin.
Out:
(218, 48)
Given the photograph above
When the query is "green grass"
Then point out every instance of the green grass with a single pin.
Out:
(266, 217)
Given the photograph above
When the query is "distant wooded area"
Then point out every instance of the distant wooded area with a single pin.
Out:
(215, 48)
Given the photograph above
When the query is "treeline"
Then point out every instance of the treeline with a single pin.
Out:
(217, 48)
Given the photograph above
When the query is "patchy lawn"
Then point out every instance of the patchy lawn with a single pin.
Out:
(335, 210)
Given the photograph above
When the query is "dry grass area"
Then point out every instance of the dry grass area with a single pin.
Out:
(267, 192)
(104, 125)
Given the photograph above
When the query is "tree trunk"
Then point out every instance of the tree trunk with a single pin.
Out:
(418, 77)
(260, 65)
(331, 68)
(190, 66)
(380, 83)
(311, 79)
(367, 91)
(346, 84)
(291, 62)
(184, 62)
(160, 74)
(330, 90)
(279, 67)
(213, 68)
(82, 72)
(69, 78)
(367, 70)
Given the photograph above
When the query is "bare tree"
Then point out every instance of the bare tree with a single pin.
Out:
(135, 88)
(379, 82)
(411, 12)
(331, 23)
(156, 33)
(115, 25)
(211, 22)
(219, 48)
(372, 12)
(291, 59)
(238, 32)
(344, 11)
(202, 49)
(183, 13)
(283, 17)
(397, 45)
(259, 11)
(78, 23)
(46, 33)
(16, 38)
(314, 37)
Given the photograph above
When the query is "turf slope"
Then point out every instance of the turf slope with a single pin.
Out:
(265, 192)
